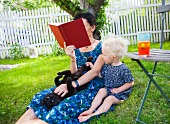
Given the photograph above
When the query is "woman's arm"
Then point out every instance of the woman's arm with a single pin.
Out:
(73, 64)
(92, 73)
(123, 87)
(69, 50)
(62, 89)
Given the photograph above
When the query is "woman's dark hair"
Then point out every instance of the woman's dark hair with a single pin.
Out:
(91, 20)
(86, 15)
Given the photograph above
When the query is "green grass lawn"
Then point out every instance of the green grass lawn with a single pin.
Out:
(18, 85)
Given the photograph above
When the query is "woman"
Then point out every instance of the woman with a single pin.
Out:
(68, 110)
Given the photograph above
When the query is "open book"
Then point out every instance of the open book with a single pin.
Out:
(72, 33)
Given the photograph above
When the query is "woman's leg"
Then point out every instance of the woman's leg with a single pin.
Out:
(30, 118)
(103, 108)
(28, 115)
(35, 121)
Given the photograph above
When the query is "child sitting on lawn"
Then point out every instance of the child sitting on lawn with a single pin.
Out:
(118, 80)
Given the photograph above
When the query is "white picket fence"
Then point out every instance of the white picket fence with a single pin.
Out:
(134, 16)
(30, 27)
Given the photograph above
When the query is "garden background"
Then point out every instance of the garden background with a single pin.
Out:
(30, 28)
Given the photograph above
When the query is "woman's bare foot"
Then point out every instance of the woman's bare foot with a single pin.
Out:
(84, 118)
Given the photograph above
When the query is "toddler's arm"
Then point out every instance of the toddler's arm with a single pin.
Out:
(123, 87)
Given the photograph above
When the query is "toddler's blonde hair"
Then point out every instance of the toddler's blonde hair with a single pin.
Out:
(116, 46)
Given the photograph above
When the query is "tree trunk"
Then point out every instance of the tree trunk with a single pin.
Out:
(92, 8)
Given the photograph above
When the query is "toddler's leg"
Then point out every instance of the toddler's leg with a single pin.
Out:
(108, 102)
(103, 108)
(95, 103)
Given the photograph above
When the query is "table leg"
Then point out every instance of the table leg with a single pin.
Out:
(147, 88)
(150, 76)
(142, 104)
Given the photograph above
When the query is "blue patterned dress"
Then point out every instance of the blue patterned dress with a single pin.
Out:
(116, 76)
(67, 111)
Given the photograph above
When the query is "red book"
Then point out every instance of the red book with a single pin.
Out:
(72, 33)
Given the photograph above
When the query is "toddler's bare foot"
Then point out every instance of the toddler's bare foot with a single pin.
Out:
(86, 113)
(84, 118)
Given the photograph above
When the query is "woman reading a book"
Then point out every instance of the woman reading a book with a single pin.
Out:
(67, 111)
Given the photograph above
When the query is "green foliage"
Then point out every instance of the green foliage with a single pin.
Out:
(27, 4)
(90, 1)
(56, 50)
(70, 7)
(37, 4)
(16, 51)
(101, 17)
